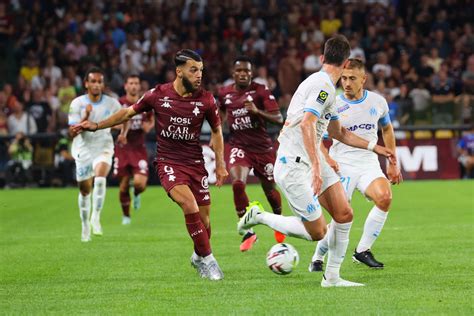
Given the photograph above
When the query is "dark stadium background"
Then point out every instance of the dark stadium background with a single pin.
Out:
(419, 55)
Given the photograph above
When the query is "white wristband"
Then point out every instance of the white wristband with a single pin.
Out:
(371, 145)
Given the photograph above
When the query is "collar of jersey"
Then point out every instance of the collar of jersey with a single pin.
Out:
(327, 75)
(96, 103)
(364, 96)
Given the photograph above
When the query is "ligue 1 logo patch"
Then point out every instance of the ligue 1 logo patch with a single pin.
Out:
(322, 97)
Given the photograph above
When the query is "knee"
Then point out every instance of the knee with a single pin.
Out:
(345, 215)
(139, 188)
(384, 200)
(319, 233)
(188, 206)
(84, 191)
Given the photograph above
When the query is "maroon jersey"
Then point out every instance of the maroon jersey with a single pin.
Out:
(247, 131)
(178, 121)
(136, 134)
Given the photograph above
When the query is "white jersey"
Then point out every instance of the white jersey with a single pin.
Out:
(316, 94)
(92, 142)
(360, 117)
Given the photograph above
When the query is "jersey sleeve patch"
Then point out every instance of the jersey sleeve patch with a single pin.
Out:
(322, 97)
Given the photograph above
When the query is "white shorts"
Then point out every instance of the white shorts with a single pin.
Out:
(359, 177)
(88, 161)
(294, 179)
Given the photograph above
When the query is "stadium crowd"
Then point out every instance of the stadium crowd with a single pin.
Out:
(419, 54)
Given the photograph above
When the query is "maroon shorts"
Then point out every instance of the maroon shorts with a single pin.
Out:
(262, 163)
(130, 162)
(192, 175)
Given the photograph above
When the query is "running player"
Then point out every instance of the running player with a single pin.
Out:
(130, 153)
(180, 109)
(360, 111)
(248, 106)
(92, 152)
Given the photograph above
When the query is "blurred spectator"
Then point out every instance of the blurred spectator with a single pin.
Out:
(442, 92)
(64, 162)
(40, 110)
(421, 104)
(262, 77)
(312, 63)
(19, 167)
(254, 43)
(382, 69)
(252, 23)
(289, 72)
(312, 33)
(466, 153)
(404, 106)
(75, 49)
(66, 93)
(30, 69)
(10, 98)
(3, 124)
(434, 61)
(468, 76)
(20, 121)
(330, 24)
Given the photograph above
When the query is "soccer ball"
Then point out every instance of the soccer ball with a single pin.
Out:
(282, 258)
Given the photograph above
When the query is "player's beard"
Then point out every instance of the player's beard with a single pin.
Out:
(188, 85)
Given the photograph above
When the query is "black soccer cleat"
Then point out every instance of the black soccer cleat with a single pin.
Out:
(316, 266)
(367, 258)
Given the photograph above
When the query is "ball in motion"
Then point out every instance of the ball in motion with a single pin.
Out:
(282, 258)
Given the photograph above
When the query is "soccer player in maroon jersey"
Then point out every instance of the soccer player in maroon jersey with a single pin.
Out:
(130, 152)
(248, 106)
(180, 109)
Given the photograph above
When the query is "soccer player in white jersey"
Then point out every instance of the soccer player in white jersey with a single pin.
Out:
(303, 174)
(361, 111)
(92, 152)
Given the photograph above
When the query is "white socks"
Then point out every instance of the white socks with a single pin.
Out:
(98, 195)
(84, 207)
(338, 240)
(288, 225)
(321, 247)
(372, 228)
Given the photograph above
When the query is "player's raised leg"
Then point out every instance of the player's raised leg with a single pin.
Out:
(380, 192)
(202, 258)
(101, 170)
(333, 199)
(124, 197)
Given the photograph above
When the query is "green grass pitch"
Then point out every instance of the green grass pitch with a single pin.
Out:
(426, 245)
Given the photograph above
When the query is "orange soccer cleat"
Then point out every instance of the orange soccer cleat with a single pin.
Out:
(248, 241)
(279, 237)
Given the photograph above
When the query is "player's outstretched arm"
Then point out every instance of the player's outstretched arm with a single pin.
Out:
(342, 134)
(308, 130)
(119, 117)
(393, 171)
(217, 141)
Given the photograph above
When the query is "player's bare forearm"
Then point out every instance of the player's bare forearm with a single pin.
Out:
(272, 117)
(218, 146)
(388, 136)
(308, 131)
(217, 141)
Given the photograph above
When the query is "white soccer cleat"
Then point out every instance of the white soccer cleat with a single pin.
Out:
(211, 268)
(196, 262)
(126, 220)
(96, 227)
(137, 202)
(339, 283)
(250, 217)
(86, 232)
